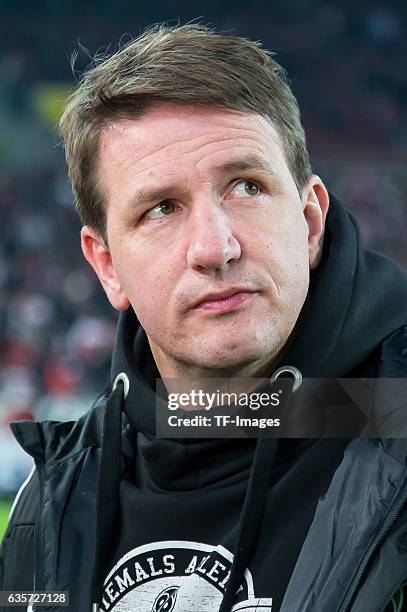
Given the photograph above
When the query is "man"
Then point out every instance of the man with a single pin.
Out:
(228, 258)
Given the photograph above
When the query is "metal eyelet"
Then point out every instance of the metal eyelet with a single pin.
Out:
(291, 370)
(125, 380)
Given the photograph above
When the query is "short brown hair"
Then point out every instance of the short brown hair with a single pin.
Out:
(188, 64)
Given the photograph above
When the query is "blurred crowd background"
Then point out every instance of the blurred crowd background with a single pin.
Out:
(347, 62)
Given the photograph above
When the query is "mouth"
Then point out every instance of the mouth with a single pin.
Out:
(224, 303)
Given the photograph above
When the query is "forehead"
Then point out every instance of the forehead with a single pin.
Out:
(183, 134)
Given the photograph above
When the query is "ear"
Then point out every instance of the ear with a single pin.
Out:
(98, 256)
(315, 201)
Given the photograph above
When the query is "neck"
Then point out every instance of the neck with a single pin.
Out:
(181, 377)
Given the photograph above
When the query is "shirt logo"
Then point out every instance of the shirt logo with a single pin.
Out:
(176, 576)
(166, 600)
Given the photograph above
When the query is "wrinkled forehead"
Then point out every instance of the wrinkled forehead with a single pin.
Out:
(181, 134)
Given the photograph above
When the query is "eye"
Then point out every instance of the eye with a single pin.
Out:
(246, 188)
(165, 209)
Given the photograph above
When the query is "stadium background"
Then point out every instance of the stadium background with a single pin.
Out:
(347, 63)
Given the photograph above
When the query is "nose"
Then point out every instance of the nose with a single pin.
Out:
(212, 244)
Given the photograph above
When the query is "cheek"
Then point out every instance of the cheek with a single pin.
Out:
(148, 282)
(285, 238)
(283, 250)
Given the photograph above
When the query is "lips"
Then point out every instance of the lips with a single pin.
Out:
(209, 299)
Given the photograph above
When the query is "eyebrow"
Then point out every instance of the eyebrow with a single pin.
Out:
(251, 162)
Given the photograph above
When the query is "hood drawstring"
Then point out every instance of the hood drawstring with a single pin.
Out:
(108, 485)
(251, 516)
(256, 494)
(107, 488)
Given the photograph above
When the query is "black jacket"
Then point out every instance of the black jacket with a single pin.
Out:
(354, 556)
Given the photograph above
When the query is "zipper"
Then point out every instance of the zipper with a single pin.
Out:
(388, 523)
(39, 548)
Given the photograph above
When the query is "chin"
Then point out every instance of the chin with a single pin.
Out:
(228, 358)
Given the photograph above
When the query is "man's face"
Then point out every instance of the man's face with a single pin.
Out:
(200, 201)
